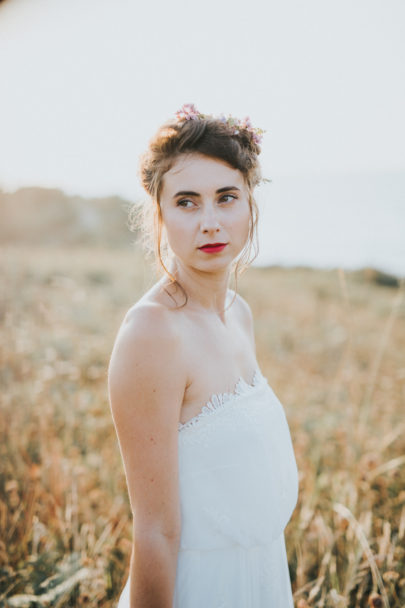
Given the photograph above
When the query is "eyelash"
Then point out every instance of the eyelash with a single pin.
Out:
(184, 200)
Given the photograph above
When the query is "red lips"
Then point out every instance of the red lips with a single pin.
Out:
(213, 247)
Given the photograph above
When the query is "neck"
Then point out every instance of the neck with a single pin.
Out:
(206, 292)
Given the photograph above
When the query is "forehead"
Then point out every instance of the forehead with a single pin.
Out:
(200, 173)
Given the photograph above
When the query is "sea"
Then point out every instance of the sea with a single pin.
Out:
(350, 221)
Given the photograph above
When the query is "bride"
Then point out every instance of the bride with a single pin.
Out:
(205, 444)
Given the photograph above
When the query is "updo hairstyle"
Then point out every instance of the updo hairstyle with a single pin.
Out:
(213, 138)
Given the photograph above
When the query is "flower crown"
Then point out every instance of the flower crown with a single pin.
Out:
(189, 112)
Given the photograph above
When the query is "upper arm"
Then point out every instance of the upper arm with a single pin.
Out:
(146, 384)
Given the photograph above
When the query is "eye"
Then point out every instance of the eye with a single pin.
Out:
(226, 196)
(183, 200)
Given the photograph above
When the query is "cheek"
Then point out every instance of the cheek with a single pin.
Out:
(176, 232)
(243, 222)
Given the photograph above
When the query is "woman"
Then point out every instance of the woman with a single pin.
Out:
(211, 488)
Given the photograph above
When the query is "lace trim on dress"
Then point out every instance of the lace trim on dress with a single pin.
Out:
(218, 400)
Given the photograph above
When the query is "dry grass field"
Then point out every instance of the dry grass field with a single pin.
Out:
(332, 345)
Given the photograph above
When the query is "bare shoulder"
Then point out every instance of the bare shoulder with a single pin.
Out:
(150, 332)
(146, 384)
(148, 319)
(243, 306)
(243, 310)
(146, 353)
(244, 315)
(145, 333)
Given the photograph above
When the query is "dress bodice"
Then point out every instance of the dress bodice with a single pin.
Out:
(237, 470)
(238, 486)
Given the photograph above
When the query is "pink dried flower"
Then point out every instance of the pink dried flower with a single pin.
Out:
(246, 124)
(257, 137)
(188, 111)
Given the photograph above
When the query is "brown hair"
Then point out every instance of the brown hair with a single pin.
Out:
(211, 137)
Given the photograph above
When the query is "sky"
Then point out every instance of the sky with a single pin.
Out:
(86, 83)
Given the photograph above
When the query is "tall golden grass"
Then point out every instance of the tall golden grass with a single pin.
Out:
(332, 345)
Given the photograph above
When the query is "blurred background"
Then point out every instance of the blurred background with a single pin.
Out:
(84, 86)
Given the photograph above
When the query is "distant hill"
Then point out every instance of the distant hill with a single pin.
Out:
(49, 217)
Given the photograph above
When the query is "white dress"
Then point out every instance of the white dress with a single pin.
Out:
(238, 489)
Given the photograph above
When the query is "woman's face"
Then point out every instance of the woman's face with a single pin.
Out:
(203, 201)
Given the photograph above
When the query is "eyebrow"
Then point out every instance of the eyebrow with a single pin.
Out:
(191, 193)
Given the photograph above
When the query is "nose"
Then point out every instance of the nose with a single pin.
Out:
(209, 220)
